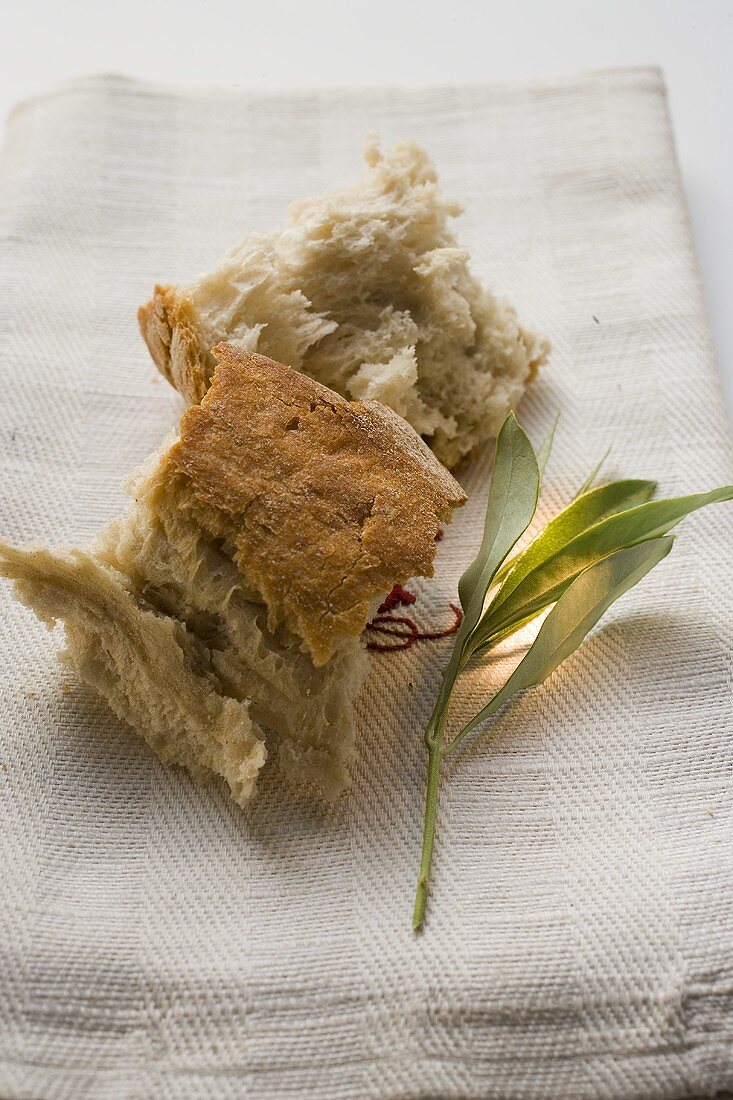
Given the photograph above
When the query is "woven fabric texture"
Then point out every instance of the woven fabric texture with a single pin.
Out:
(157, 942)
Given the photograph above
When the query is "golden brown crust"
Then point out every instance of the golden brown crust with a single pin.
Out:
(168, 327)
(324, 503)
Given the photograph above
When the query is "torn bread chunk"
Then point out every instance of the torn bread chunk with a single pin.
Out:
(365, 290)
(220, 615)
(153, 671)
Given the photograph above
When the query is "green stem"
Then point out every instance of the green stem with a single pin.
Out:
(435, 757)
(436, 752)
(434, 742)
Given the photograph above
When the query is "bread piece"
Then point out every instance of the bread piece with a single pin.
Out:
(221, 613)
(366, 291)
(184, 573)
(322, 503)
(154, 672)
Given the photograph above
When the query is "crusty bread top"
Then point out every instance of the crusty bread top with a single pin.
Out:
(323, 503)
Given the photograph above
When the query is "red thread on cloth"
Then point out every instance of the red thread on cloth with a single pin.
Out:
(385, 624)
(398, 597)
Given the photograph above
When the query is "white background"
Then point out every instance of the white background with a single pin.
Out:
(274, 43)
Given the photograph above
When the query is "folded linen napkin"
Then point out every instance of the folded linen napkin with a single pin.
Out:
(158, 942)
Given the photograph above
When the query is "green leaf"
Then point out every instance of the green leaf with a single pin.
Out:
(546, 583)
(587, 507)
(546, 446)
(515, 483)
(577, 611)
(593, 474)
(580, 514)
(515, 486)
(542, 456)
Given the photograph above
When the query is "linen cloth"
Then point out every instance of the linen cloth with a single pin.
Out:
(158, 942)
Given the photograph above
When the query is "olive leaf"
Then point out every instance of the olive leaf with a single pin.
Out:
(583, 512)
(603, 543)
(546, 446)
(515, 486)
(576, 612)
(593, 474)
(515, 603)
(543, 455)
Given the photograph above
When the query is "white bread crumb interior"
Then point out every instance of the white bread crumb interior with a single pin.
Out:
(366, 290)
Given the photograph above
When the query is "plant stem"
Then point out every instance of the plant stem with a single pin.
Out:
(435, 756)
